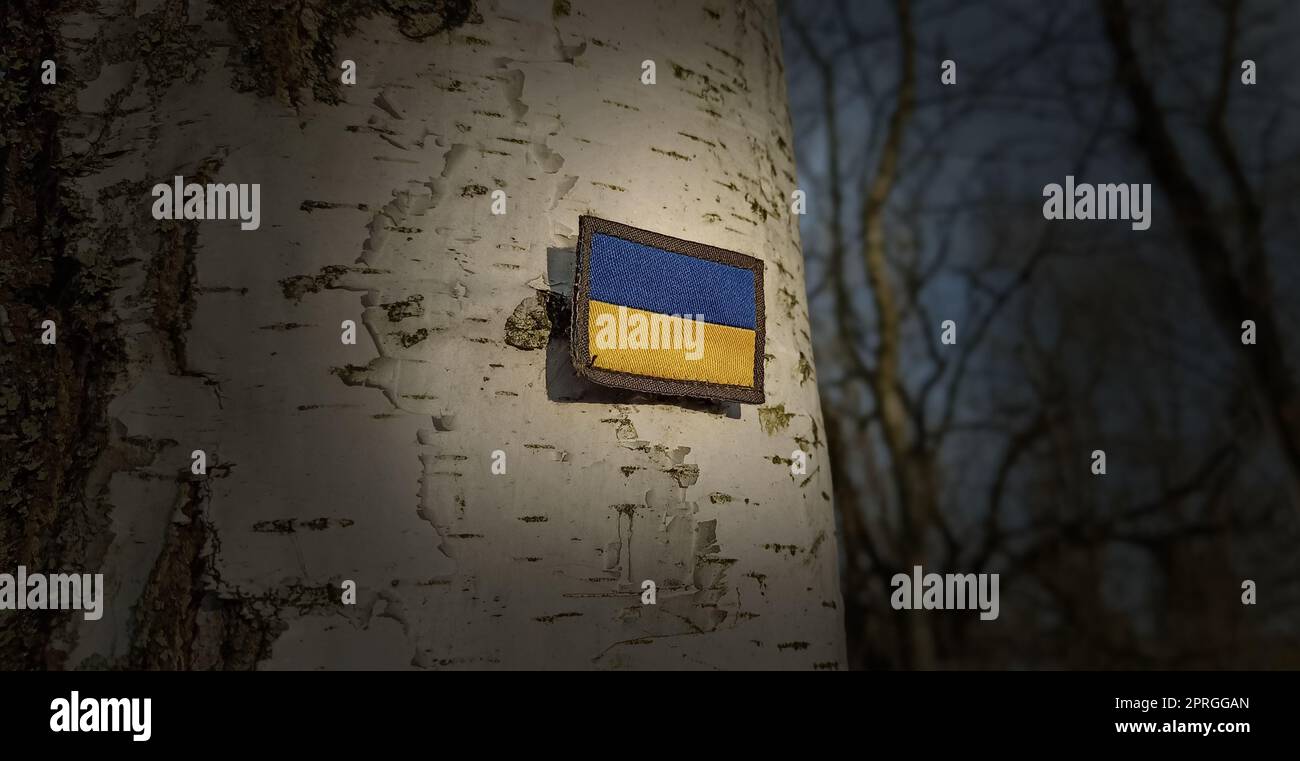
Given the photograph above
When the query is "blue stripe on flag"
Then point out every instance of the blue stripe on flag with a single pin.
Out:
(627, 273)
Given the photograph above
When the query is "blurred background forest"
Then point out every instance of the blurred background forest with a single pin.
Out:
(925, 205)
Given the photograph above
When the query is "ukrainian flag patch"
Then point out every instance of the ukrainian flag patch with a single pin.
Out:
(664, 315)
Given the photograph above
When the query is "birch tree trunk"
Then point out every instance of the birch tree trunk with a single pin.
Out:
(373, 462)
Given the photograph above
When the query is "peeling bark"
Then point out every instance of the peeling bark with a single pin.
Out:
(53, 409)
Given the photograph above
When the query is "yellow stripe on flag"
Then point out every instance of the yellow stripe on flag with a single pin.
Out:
(727, 354)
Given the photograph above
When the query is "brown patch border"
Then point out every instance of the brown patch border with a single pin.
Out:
(579, 338)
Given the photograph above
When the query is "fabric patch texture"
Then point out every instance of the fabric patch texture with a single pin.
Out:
(663, 315)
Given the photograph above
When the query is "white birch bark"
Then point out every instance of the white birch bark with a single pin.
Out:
(372, 462)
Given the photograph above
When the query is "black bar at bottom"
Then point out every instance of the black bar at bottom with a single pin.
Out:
(993, 710)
